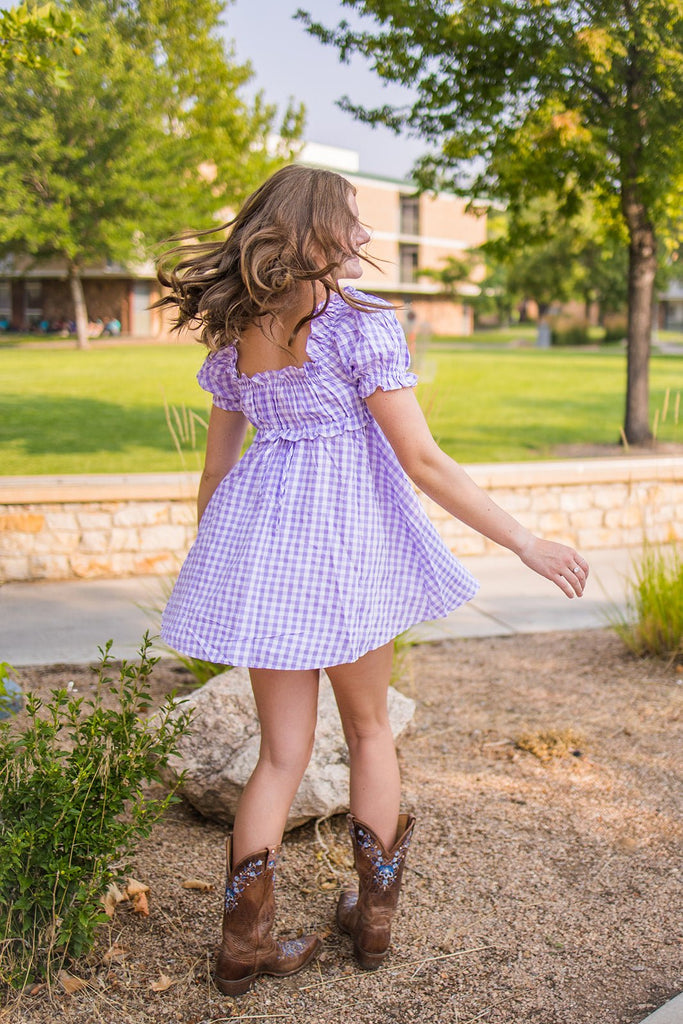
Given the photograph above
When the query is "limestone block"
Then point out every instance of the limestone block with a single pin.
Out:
(601, 537)
(18, 543)
(469, 543)
(55, 542)
(124, 539)
(92, 521)
(575, 499)
(452, 532)
(676, 529)
(14, 568)
(49, 567)
(545, 499)
(162, 538)
(514, 501)
(55, 519)
(21, 522)
(612, 496)
(659, 533)
(90, 566)
(220, 752)
(183, 513)
(628, 515)
(94, 541)
(552, 522)
(148, 513)
(155, 564)
(586, 518)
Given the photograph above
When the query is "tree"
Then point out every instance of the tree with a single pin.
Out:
(552, 257)
(559, 97)
(25, 31)
(539, 254)
(149, 137)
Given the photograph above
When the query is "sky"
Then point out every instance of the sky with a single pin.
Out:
(288, 62)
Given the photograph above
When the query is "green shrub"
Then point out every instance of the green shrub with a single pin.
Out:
(613, 335)
(72, 806)
(653, 623)
(573, 335)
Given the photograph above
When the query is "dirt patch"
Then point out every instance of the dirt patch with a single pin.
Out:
(539, 890)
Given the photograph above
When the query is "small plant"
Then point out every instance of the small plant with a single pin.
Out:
(549, 743)
(653, 622)
(182, 425)
(72, 808)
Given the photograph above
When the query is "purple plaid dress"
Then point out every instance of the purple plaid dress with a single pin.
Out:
(314, 549)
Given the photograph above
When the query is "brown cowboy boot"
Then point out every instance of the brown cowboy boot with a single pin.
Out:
(248, 948)
(366, 915)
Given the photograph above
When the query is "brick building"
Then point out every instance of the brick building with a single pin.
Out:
(31, 294)
(410, 233)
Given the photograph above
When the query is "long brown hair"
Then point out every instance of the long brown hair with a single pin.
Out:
(296, 228)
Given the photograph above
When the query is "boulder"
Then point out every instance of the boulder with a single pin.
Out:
(220, 750)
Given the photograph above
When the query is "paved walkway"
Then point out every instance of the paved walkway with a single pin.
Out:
(44, 623)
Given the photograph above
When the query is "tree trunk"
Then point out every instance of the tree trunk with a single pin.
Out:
(642, 266)
(80, 311)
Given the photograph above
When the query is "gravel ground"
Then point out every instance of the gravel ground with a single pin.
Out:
(543, 885)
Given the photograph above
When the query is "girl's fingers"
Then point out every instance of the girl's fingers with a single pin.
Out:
(576, 575)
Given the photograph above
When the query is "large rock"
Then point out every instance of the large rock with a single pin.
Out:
(221, 748)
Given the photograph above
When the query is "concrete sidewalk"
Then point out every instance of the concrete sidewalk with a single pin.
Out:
(46, 623)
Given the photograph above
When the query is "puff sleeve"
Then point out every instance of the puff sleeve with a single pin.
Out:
(218, 376)
(379, 356)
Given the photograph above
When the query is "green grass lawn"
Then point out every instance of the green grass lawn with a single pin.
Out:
(102, 411)
(516, 405)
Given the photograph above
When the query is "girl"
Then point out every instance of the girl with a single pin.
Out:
(313, 550)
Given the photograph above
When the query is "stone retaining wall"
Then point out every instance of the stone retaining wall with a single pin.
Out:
(71, 527)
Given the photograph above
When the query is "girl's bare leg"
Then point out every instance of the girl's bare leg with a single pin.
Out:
(287, 706)
(360, 689)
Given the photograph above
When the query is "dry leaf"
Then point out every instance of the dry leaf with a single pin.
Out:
(140, 904)
(109, 904)
(133, 887)
(115, 892)
(197, 883)
(111, 899)
(115, 952)
(163, 983)
(70, 984)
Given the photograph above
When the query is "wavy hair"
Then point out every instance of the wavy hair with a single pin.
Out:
(296, 229)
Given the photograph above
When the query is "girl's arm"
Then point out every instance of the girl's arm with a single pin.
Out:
(224, 441)
(402, 422)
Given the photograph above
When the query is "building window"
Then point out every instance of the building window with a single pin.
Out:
(34, 302)
(410, 215)
(5, 301)
(407, 263)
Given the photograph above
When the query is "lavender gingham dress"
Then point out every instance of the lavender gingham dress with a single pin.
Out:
(314, 549)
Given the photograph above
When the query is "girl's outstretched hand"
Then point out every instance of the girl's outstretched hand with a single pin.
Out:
(567, 569)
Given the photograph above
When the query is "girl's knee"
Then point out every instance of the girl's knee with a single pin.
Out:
(291, 760)
(367, 730)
